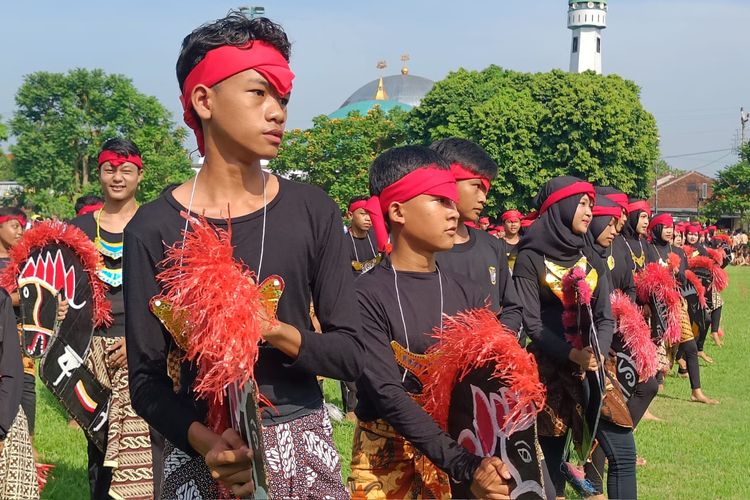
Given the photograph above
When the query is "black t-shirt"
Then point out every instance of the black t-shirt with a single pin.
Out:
(543, 310)
(620, 268)
(305, 245)
(362, 251)
(11, 367)
(483, 260)
(380, 391)
(112, 268)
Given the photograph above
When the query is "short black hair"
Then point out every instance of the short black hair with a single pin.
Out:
(12, 211)
(121, 146)
(395, 163)
(356, 199)
(235, 29)
(87, 200)
(469, 154)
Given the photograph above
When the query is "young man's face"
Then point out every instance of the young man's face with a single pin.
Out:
(512, 227)
(119, 183)
(247, 116)
(608, 235)
(692, 238)
(472, 197)
(429, 222)
(582, 217)
(642, 225)
(360, 219)
(10, 233)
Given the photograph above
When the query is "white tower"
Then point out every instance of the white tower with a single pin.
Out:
(586, 20)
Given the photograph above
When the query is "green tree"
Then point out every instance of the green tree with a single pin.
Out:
(336, 154)
(731, 191)
(61, 122)
(663, 168)
(537, 126)
(6, 172)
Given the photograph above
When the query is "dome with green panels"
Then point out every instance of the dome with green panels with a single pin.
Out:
(364, 106)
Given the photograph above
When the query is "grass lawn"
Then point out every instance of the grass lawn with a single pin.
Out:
(697, 452)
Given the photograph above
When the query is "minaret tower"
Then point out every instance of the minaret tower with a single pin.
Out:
(586, 20)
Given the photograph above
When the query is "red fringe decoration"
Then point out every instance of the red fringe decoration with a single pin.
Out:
(688, 250)
(723, 237)
(575, 292)
(56, 232)
(717, 254)
(222, 308)
(42, 473)
(659, 281)
(636, 333)
(720, 278)
(699, 288)
(473, 339)
(673, 261)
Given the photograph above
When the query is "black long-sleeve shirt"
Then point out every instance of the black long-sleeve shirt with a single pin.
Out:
(304, 244)
(661, 255)
(482, 259)
(87, 223)
(380, 391)
(11, 367)
(543, 310)
(621, 275)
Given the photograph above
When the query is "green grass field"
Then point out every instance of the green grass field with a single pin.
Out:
(697, 452)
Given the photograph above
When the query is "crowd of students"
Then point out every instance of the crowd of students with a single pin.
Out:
(417, 252)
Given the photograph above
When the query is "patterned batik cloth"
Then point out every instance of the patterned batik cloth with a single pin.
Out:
(128, 450)
(385, 465)
(301, 462)
(17, 468)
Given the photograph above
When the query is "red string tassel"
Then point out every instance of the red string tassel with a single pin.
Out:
(660, 282)
(636, 333)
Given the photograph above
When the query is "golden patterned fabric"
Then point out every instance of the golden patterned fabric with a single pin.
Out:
(555, 273)
(614, 407)
(17, 468)
(128, 441)
(385, 465)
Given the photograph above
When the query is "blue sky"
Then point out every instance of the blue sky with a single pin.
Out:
(689, 57)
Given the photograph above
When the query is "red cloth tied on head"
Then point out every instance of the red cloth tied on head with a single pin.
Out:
(484, 220)
(7, 218)
(228, 60)
(357, 205)
(694, 228)
(529, 218)
(619, 198)
(462, 173)
(90, 208)
(512, 215)
(580, 187)
(601, 210)
(425, 180)
(665, 220)
(116, 159)
(639, 205)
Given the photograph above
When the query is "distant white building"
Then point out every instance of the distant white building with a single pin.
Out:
(586, 20)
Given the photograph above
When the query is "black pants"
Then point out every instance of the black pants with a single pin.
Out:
(157, 457)
(28, 399)
(553, 449)
(644, 393)
(348, 395)
(618, 446)
(689, 352)
(715, 320)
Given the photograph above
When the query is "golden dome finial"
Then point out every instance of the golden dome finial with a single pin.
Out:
(404, 68)
(381, 95)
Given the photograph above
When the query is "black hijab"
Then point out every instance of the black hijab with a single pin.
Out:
(551, 234)
(629, 231)
(600, 222)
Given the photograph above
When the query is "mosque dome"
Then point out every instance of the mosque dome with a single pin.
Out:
(364, 106)
(404, 88)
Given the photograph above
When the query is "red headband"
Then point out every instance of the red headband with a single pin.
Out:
(529, 218)
(639, 205)
(601, 211)
(619, 198)
(425, 180)
(694, 228)
(228, 60)
(664, 219)
(357, 205)
(580, 187)
(116, 159)
(90, 208)
(7, 218)
(512, 215)
(462, 173)
(484, 220)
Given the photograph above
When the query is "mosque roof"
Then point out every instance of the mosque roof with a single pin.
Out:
(364, 106)
(404, 88)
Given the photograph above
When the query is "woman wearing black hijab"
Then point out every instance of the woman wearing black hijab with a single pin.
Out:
(552, 247)
(634, 232)
(661, 232)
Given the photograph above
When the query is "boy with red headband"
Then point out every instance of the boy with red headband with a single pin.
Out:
(125, 468)
(401, 301)
(363, 252)
(236, 81)
(476, 254)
